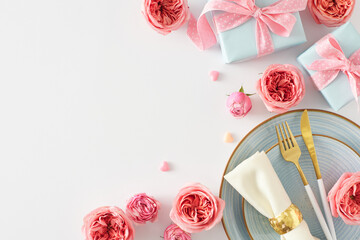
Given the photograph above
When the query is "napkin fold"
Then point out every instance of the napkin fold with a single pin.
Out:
(256, 180)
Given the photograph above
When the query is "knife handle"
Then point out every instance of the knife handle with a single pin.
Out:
(318, 212)
(325, 204)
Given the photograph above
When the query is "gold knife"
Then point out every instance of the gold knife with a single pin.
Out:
(309, 142)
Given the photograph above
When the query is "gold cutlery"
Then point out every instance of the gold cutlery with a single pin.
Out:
(309, 142)
(291, 152)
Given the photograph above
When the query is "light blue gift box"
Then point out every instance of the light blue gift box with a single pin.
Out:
(338, 93)
(239, 44)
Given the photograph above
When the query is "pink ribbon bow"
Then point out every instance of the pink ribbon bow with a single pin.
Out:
(276, 18)
(334, 61)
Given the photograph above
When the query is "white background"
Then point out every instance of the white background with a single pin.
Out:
(92, 100)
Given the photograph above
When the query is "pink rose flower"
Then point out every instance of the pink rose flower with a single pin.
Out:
(142, 208)
(173, 232)
(196, 209)
(281, 87)
(331, 13)
(165, 16)
(239, 104)
(344, 198)
(107, 223)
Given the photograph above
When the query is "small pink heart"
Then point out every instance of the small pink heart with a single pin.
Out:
(214, 75)
(228, 138)
(164, 167)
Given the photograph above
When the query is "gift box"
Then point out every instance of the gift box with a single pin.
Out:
(337, 72)
(239, 44)
(247, 29)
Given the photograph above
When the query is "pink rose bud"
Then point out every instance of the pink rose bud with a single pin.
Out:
(196, 209)
(107, 223)
(239, 104)
(281, 87)
(344, 198)
(165, 16)
(173, 232)
(142, 208)
(331, 13)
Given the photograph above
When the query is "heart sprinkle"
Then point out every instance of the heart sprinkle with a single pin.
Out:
(164, 167)
(214, 75)
(228, 138)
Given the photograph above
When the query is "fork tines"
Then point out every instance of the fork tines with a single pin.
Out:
(287, 142)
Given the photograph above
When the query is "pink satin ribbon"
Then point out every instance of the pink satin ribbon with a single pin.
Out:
(334, 61)
(277, 18)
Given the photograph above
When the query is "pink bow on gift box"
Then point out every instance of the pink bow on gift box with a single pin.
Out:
(334, 61)
(276, 18)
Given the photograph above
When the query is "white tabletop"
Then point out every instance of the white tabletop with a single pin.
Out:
(93, 100)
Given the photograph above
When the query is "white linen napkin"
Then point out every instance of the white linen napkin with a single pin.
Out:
(256, 180)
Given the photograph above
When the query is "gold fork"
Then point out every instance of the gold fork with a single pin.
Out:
(291, 152)
(290, 149)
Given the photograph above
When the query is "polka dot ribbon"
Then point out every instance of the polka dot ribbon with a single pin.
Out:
(334, 61)
(277, 18)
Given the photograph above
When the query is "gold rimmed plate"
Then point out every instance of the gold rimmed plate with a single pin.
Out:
(335, 158)
(262, 138)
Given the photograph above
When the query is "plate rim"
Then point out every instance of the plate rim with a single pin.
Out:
(255, 128)
(271, 148)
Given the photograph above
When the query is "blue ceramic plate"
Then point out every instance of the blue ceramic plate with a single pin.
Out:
(262, 138)
(334, 158)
